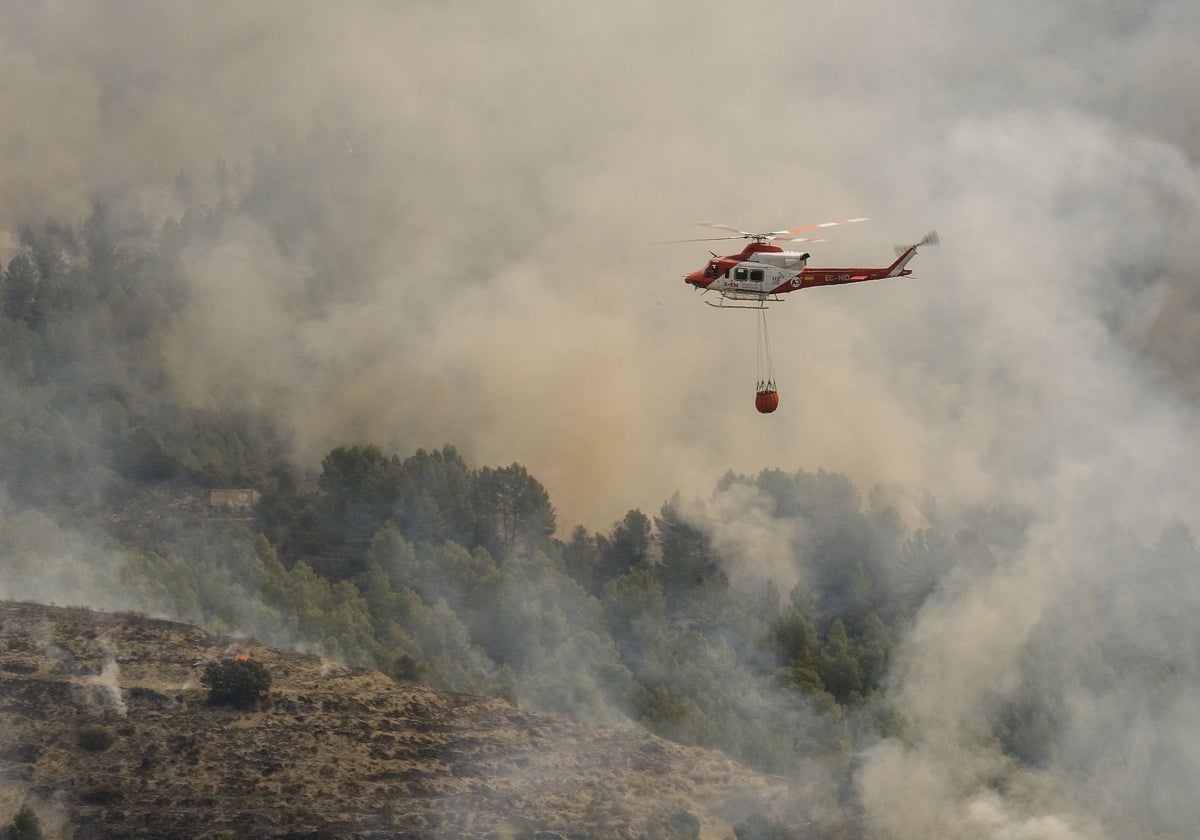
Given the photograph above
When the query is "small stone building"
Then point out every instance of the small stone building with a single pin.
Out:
(233, 502)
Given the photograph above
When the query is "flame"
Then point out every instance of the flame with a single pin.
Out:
(242, 657)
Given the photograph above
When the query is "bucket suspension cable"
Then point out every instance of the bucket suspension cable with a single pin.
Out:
(766, 366)
(766, 396)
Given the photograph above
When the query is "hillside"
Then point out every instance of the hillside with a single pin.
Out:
(335, 752)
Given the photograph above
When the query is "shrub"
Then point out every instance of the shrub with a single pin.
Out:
(103, 793)
(95, 738)
(240, 683)
(680, 826)
(759, 827)
(25, 826)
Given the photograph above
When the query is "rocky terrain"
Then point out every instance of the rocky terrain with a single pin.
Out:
(105, 732)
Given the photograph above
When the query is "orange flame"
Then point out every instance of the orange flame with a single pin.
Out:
(242, 657)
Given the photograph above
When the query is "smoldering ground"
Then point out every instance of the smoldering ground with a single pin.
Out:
(498, 173)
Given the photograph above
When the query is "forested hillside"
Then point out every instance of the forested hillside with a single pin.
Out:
(457, 575)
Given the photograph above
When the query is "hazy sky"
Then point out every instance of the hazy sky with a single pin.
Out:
(509, 168)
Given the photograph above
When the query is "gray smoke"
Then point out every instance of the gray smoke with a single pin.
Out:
(494, 178)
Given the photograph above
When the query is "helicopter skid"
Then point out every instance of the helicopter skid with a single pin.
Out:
(753, 301)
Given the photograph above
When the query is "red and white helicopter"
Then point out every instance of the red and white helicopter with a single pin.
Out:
(761, 271)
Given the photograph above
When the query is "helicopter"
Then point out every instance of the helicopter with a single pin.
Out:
(762, 271)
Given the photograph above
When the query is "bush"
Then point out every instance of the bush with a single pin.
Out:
(95, 738)
(684, 826)
(240, 683)
(25, 826)
(759, 827)
(103, 793)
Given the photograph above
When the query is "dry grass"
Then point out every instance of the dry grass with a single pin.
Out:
(334, 752)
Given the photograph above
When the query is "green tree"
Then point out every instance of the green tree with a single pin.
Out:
(635, 612)
(360, 488)
(663, 710)
(21, 291)
(512, 511)
(627, 547)
(542, 624)
(47, 247)
(796, 638)
(435, 497)
(394, 556)
(688, 561)
(449, 571)
(839, 670)
(927, 555)
(143, 455)
(581, 559)
(102, 247)
(873, 649)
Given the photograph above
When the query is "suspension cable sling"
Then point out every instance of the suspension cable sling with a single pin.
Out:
(766, 397)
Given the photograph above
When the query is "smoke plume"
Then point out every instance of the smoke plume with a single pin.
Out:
(471, 259)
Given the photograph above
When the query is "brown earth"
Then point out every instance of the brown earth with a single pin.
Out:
(334, 752)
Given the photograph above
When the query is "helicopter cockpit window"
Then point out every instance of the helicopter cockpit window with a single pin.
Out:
(712, 269)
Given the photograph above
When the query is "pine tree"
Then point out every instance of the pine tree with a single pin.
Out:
(21, 290)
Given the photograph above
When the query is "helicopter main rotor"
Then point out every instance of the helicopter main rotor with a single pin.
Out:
(770, 235)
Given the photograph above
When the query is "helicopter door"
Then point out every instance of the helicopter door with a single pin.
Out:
(750, 279)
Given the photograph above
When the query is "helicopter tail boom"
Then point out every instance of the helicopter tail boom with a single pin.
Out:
(907, 252)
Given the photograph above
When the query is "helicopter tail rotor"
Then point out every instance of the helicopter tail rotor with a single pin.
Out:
(930, 238)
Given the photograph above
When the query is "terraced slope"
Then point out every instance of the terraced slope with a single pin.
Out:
(105, 732)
